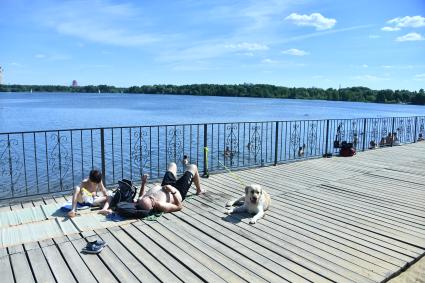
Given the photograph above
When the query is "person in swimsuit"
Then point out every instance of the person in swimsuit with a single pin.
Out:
(85, 193)
(169, 195)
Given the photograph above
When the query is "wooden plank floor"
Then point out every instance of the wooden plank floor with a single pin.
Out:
(359, 219)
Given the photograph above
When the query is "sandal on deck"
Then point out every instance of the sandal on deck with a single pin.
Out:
(94, 247)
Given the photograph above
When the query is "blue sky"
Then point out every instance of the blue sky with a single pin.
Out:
(322, 43)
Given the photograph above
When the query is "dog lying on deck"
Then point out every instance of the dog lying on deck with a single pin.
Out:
(256, 201)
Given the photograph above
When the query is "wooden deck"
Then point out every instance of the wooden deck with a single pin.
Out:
(359, 219)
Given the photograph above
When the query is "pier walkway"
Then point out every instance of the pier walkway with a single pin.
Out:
(359, 219)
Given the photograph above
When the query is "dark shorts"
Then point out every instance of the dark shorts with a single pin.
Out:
(182, 184)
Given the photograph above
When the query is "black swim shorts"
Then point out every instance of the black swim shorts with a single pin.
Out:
(182, 184)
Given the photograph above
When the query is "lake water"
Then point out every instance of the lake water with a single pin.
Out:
(46, 162)
(47, 111)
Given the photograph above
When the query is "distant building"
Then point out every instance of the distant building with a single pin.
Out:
(74, 83)
(1, 75)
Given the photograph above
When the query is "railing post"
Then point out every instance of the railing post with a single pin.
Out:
(206, 174)
(102, 152)
(10, 166)
(392, 131)
(276, 144)
(364, 133)
(327, 138)
(416, 123)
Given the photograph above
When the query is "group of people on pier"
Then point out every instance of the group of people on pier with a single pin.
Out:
(166, 197)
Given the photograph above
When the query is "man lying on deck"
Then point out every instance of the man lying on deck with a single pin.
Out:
(168, 196)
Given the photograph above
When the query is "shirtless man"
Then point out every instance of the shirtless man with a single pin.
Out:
(85, 194)
(169, 196)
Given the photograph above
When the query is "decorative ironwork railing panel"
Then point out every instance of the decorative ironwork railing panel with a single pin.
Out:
(42, 162)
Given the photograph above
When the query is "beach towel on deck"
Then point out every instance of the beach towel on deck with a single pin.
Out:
(80, 206)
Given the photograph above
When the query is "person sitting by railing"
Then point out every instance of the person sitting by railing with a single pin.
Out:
(383, 142)
(301, 150)
(355, 140)
(85, 193)
(389, 139)
(396, 141)
(421, 137)
(228, 152)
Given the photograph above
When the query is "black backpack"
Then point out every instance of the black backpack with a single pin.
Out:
(125, 192)
(347, 149)
(131, 210)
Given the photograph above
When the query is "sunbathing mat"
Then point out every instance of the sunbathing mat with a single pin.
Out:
(21, 216)
(54, 210)
(50, 228)
(34, 214)
(48, 221)
(36, 231)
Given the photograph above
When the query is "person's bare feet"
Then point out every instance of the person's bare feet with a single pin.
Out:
(200, 191)
(105, 211)
(72, 214)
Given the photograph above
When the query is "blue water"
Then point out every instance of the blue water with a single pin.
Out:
(47, 111)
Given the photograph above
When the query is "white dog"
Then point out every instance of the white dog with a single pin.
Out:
(256, 201)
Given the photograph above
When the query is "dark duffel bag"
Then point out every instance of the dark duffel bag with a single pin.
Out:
(125, 192)
(130, 210)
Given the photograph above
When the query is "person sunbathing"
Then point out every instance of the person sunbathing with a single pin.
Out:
(85, 193)
(168, 196)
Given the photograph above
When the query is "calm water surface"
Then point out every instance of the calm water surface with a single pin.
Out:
(46, 111)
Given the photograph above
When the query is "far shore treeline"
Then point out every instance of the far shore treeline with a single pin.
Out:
(360, 94)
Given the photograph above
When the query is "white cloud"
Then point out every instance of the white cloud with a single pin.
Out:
(252, 15)
(316, 20)
(319, 34)
(374, 36)
(268, 61)
(413, 36)
(370, 78)
(390, 28)
(86, 29)
(413, 22)
(16, 64)
(365, 66)
(250, 54)
(295, 52)
(194, 67)
(247, 46)
(52, 57)
(97, 21)
(420, 77)
(387, 66)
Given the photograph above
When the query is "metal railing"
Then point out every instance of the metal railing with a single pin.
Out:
(43, 162)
